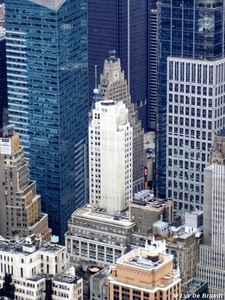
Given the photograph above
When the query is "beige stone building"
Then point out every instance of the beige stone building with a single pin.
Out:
(144, 274)
(20, 206)
(113, 86)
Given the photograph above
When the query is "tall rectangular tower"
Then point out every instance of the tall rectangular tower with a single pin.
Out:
(189, 30)
(211, 265)
(122, 26)
(48, 98)
(195, 112)
(3, 77)
(152, 64)
(110, 157)
(113, 86)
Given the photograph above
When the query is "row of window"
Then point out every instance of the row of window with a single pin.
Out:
(193, 72)
(189, 144)
(186, 186)
(193, 134)
(182, 196)
(194, 89)
(196, 101)
(186, 207)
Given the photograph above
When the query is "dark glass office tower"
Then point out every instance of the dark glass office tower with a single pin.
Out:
(152, 64)
(3, 78)
(48, 98)
(186, 29)
(122, 26)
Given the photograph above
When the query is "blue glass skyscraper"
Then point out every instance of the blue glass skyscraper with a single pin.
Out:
(48, 98)
(186, 29)
(121, 26)
(3, 78)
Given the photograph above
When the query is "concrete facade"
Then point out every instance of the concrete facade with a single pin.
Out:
(31, 270)
(110, 157)
(95, 237)
(195, 90)
(211, 266)
(185, 251)
(146, 216)
(113, 86)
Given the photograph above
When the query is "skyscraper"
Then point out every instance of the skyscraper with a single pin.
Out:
(48, 98)
(190, 30)
(123, 26)
(211, 265)
(20, 206)
(195, 112)
(110, 157)
(3, 78)
(113, 86)
(152, 64)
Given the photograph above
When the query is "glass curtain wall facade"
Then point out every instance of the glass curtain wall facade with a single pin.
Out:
(121, 26)
(186, 29)
(48, 98)
(3, 78)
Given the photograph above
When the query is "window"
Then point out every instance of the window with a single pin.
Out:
(187, 111)
(204, 91)
(181, 99)
(136, 292)
(181, 110)
(176, 87)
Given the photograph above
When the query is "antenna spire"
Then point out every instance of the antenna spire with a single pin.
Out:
(95, 89)
(96, 77)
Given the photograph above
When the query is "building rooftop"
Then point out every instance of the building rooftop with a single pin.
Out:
(104, 273)
(27, 246)
(39, 277)
(65, 277)
(193, 285)
(196, 212)
(51, 4)
(99, 214)
(160, 223)
(152, 205)
(149, 141)
(145, 258)
(108, 103)
(186, 235)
